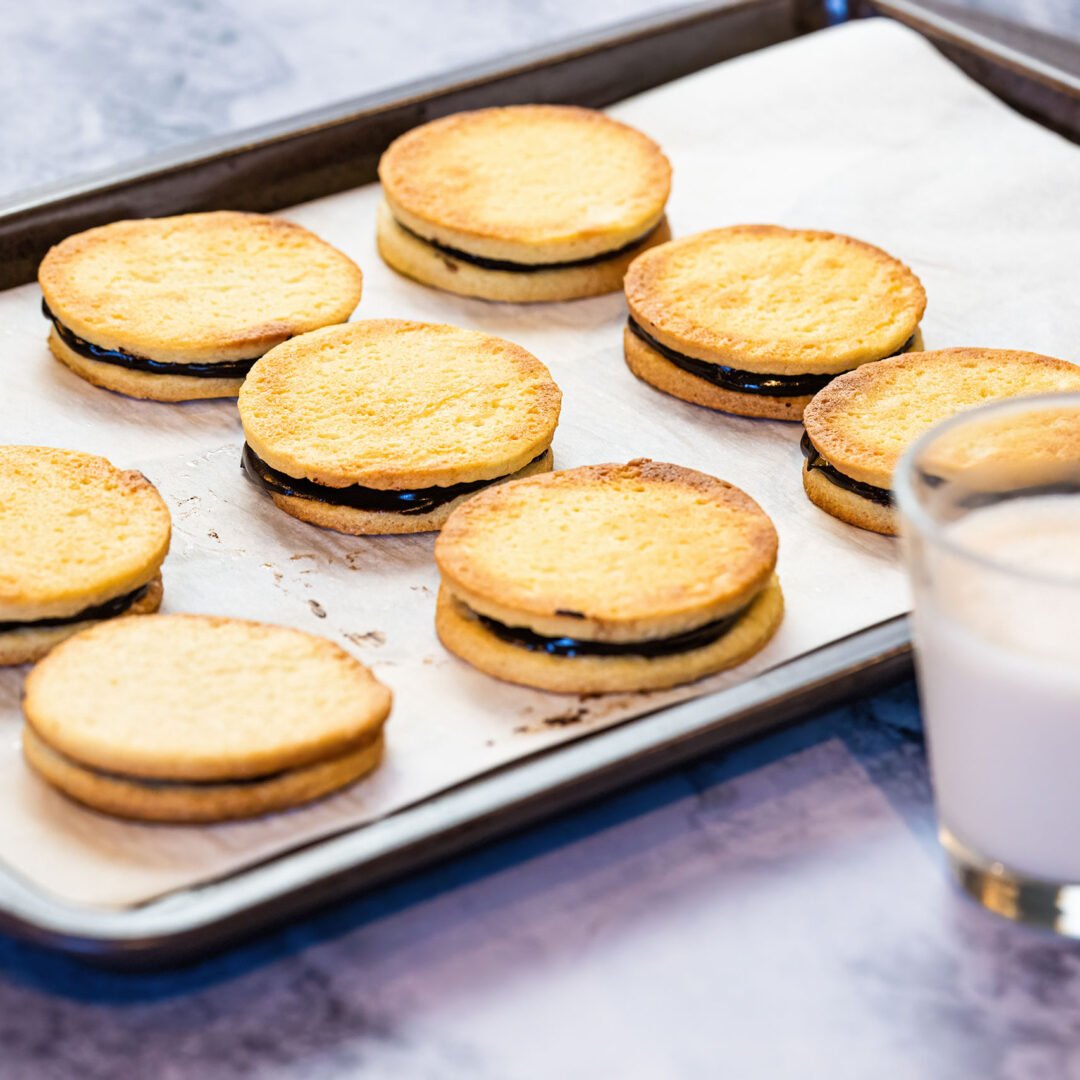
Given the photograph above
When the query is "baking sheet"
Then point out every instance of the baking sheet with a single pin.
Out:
(863, 129)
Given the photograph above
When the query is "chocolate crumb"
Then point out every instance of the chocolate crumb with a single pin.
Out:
(566, 719)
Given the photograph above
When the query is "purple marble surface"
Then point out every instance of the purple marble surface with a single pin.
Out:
(779, 910)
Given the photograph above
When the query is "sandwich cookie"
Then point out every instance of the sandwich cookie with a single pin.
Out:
(80, 542)
(608, 578)
(189, 718)
(756, 319)
(179, 308)
(860, 424)
(526, 203)
(385, 426)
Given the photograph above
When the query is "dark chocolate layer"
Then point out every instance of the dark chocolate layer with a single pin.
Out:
(697, 638)
(224, 369)
(814, 460)
(744, 382)
(522, 268)
(108, 610)
(420, 501)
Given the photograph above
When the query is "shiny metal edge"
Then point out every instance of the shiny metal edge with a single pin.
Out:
(948, 31)
(198, 920)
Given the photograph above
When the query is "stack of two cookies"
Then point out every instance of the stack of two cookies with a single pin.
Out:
(608, 578)
(527, 203)
(757, 319)
(179, 308)
(857, 428)
(386, 426)
(188, 718)
(80, 542)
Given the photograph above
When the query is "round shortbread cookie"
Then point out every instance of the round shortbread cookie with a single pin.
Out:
(527, 183)
(201, 698)
(170, 802)
(346, 519)
(409, 255)
(399, 406)
(766, 299)
(30, 644)
(75, 532)
(468, 639)
(193, 289)
(616, 553)
(863, 421)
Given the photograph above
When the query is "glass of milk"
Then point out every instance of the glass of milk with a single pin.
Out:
(990, 508)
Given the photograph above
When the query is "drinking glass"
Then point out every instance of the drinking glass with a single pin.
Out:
(990, 520)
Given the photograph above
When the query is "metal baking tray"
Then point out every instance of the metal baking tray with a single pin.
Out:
(336, 149)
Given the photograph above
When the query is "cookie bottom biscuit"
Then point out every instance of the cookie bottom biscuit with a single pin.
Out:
(847, 506)
(180, 802)
(468, 639)
(29, 645)
(411, 256)
(141, 384)
(649, 366)
(346, 519)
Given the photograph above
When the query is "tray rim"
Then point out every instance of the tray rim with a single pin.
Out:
(190, 922)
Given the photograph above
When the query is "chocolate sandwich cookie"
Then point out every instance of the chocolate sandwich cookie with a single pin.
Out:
(860, 424)
(526, 203)
(189, 718)
(608, 578)
(179, 308)
(80, 542)
(385, 426)
(756, 319)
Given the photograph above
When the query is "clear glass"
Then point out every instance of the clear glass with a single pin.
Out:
(990, 519)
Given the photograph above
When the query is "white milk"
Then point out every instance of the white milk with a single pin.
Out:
(999, 674)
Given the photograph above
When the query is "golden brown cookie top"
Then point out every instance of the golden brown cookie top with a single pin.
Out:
(608, 552)
(197, 697)
(863, 421)
(74, 532)
(527, 183)
(398, 405)
(198, 287)
(769, 299)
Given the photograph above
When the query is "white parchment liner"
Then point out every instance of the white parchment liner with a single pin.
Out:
(865, 130)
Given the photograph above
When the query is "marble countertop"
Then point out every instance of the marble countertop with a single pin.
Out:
(776, 911)
(779, 910)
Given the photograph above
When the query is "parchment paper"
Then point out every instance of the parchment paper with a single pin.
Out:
(863, 129)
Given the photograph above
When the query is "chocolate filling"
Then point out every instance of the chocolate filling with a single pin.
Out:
(814, 460)
(745, 382)
(223, 369)
(697, 638)
(108, 610)
(522, 268)
(421, 501)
